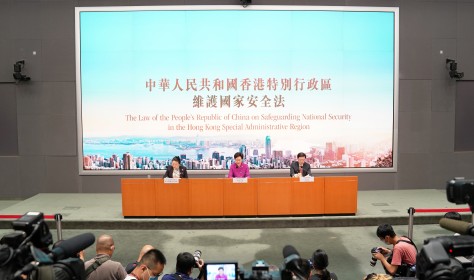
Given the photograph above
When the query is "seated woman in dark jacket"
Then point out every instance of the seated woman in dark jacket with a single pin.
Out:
(176, 170)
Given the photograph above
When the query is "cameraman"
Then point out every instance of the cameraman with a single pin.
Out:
(184, 267)
(403, 254)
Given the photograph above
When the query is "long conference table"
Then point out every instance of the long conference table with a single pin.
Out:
(150, 197)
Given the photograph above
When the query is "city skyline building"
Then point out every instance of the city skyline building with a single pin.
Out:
(268, 147)
(219, 155)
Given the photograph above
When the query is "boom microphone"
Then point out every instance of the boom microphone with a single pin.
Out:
(293, 262)
(290, 254)
(70, 247)
(460, 227)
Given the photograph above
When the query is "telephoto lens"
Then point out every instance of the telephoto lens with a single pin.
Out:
(373, 261)
(197, 257)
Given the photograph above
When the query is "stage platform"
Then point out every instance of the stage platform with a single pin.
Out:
(103, 211)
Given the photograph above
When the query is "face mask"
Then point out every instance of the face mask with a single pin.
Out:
(151, 277)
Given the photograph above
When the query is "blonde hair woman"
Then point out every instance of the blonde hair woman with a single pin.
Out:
(375, 276)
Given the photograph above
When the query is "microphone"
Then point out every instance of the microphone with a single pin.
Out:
(460, 227)
(294, 263)
(290, 254)
(70, 247)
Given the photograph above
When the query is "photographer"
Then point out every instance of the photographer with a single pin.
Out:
(184, 267)
(403, 254)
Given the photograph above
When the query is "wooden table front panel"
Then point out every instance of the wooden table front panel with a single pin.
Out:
(172, 199)
(206, 197)
(274, 196)
(340, 195)
(138, 197)
(221, 197)
(307, 197)
(240, 199)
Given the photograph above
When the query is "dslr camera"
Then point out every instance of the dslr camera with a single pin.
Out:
(197, 256)
(373, 261)
(25, 254)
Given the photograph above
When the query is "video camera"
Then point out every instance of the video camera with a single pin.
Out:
(25, 254)
(437, 258)
(260, 271)
(460, 191)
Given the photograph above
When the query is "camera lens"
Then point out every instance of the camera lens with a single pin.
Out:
(197, 257)
(373, 261)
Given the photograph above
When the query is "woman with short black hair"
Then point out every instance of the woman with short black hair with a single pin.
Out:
(320, 264)
(176, 170)
(238, 169)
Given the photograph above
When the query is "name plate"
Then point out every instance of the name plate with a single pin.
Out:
(306, 179)
(171, 180)
(239, 180)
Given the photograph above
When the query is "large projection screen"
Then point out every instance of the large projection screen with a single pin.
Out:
(204, 82)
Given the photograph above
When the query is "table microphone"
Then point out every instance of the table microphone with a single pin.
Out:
(460, 227)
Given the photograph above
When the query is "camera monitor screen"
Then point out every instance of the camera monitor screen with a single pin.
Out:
(221, 271)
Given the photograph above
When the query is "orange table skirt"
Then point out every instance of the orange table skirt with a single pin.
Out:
(222, 197)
